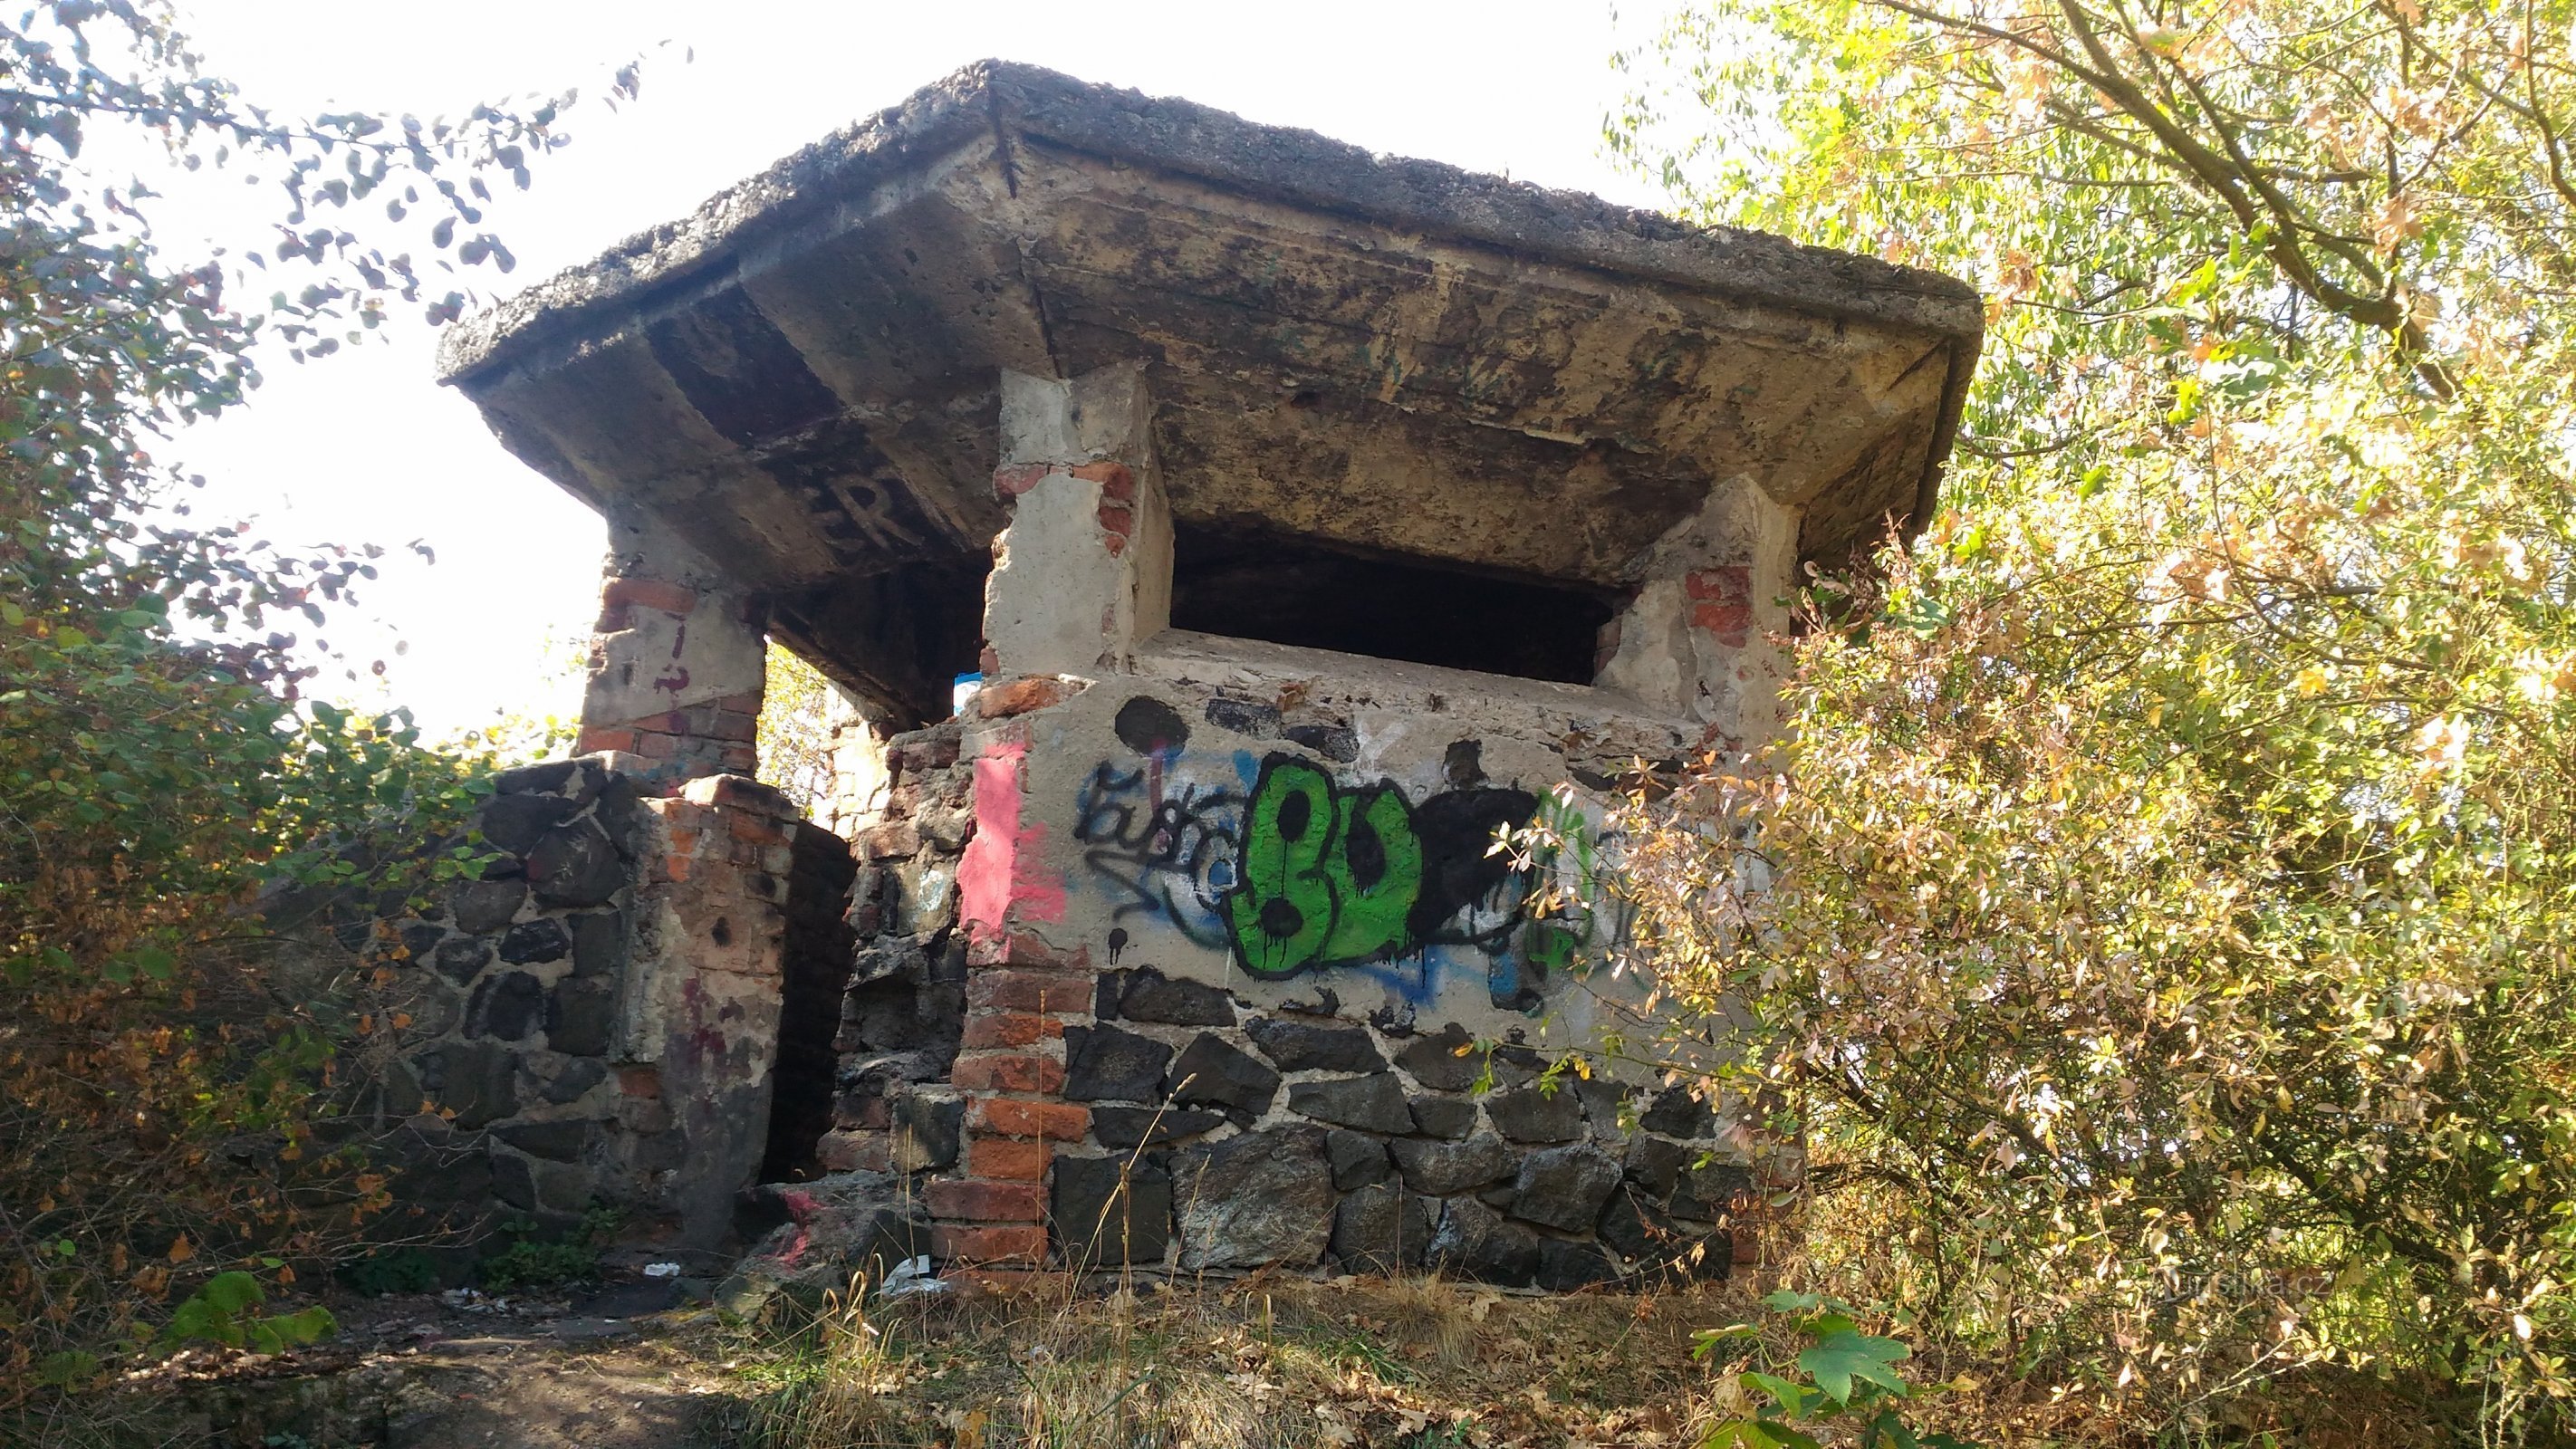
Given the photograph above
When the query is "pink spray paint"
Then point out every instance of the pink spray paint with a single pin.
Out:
(1003, 869)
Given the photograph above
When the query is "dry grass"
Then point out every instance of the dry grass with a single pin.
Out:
(1267, 1363)
(1248, 1365)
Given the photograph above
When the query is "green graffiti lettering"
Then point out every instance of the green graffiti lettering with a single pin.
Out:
(1281, 910)
(1375, 871)
(1327, 876)
(1331, 875)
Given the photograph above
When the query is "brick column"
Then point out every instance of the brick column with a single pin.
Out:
(1020, 997)
(1694, 643)
(1084, 570)
(1080, 576)
(677, 663)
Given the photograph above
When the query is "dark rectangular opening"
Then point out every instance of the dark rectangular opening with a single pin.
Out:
(1295, 591)
(897, 638)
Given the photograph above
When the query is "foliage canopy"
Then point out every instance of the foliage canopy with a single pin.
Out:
(167, 1101)
(2160, 907)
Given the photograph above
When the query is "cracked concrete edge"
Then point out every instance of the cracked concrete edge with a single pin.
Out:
(1008, 102)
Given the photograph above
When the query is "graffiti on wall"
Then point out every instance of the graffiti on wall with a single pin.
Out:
(1290, 869)
(1162, 847)
(1331, 875)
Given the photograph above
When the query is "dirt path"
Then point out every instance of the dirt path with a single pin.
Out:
(547, 1394)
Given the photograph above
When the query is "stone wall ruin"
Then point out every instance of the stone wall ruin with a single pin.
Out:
(1304, 519)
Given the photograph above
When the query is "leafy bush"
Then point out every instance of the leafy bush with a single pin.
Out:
(171, 1082)
(391, 1270)
(219, 1312)
(528, 1262)
(2159, 901)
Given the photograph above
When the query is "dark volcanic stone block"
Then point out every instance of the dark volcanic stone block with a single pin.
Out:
(461, 959)
(1602, 1100)
(1358, 1159)
(1446, 1062)
(1443, 1116)
(1656, 1165)
(926, 1131)
(1676, 1113)
(1532, 1114)
(1630, 1227)
(1380, 1229)
(480, 907)
(574, 865)
(1111, 1210)
(1131, 1127)
(419, 938)
(1336, 742)
(556, 1141)
(580, 1016)
(1105, 1063)
(598, 943)
(1298, 1046)
(1264, 1197)
(1564, 1267)
(516, 823)
(542, 939)
(514, 1182)
(1372, 1103)
(1244, 717)
(1151, 996)
(472, 1079)
(1437, 1169)
(507, 1006)
(442, 1180)
(1564, 1187)
(575, 1078)
(543, 779)
(1474, 1240)
(1711, 1190)
(1209, 1071)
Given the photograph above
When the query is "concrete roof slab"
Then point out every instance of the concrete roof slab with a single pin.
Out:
(1382, 353)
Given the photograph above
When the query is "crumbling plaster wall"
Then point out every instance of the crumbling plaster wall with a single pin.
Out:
(1195, 1037)
(677, 659)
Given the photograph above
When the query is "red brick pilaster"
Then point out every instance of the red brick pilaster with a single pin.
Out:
(1019, 1000)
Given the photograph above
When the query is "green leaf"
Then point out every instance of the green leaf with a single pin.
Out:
(1840, 1357)
(1756, 1434)
(66, 1368)
(1792, 1398)
(307, 1325)
(233, 1291)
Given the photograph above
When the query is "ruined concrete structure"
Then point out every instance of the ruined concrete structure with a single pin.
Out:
(1306, 518)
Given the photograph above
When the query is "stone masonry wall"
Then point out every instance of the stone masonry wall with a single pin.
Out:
(591, 1021)
(1065, 1039)
(903, 1012)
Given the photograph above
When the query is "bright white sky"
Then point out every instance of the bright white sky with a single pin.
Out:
(365, 448)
